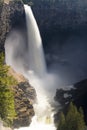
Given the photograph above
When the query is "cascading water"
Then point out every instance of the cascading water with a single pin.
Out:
(43, 118)
(36, 55)
(36, 71)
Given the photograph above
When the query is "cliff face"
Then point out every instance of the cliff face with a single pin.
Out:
(12, 16)
(58, 18)
(24, 99)
(60, 14)
(11, 13)
(25, 96)
(52, 19)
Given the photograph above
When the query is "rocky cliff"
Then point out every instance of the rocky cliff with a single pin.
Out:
(51, 18)
(59, 19)
(24, 95)
(24, 99)
(11, 14)
(60, 14)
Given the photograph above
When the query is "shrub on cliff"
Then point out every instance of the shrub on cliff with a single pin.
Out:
(7, 108)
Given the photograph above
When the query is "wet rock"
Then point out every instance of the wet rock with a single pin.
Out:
(24, 98)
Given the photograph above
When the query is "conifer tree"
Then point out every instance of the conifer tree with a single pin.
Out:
(74, 119)
(61, 125)
(80, 120)
(7, 108)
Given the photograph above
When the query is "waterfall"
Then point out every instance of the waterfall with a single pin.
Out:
(43, 118)
(36, 56)
(18, 55)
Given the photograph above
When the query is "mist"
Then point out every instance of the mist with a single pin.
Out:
(16, 51)
(67, 56)
(67, 63)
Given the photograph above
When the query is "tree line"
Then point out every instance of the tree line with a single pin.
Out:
(72, 120)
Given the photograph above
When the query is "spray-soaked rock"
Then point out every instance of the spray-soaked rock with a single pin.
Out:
(24, 98)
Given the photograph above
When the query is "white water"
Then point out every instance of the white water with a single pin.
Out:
(36, 55)
(43, 118)
(43, 82)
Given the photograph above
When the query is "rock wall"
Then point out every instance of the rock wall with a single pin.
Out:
(58, 18)
(61, 14)
(25, 97)
(11, 14)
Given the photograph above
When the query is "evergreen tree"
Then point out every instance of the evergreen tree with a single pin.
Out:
(74, 119)
(80, 120)
(7, 108)
(61, 125)
(71, 117)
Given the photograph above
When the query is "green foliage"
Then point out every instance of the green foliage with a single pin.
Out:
(61, 125)
(7, 109)
(74, 119)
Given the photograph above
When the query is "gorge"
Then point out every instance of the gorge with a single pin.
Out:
(63, 32)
